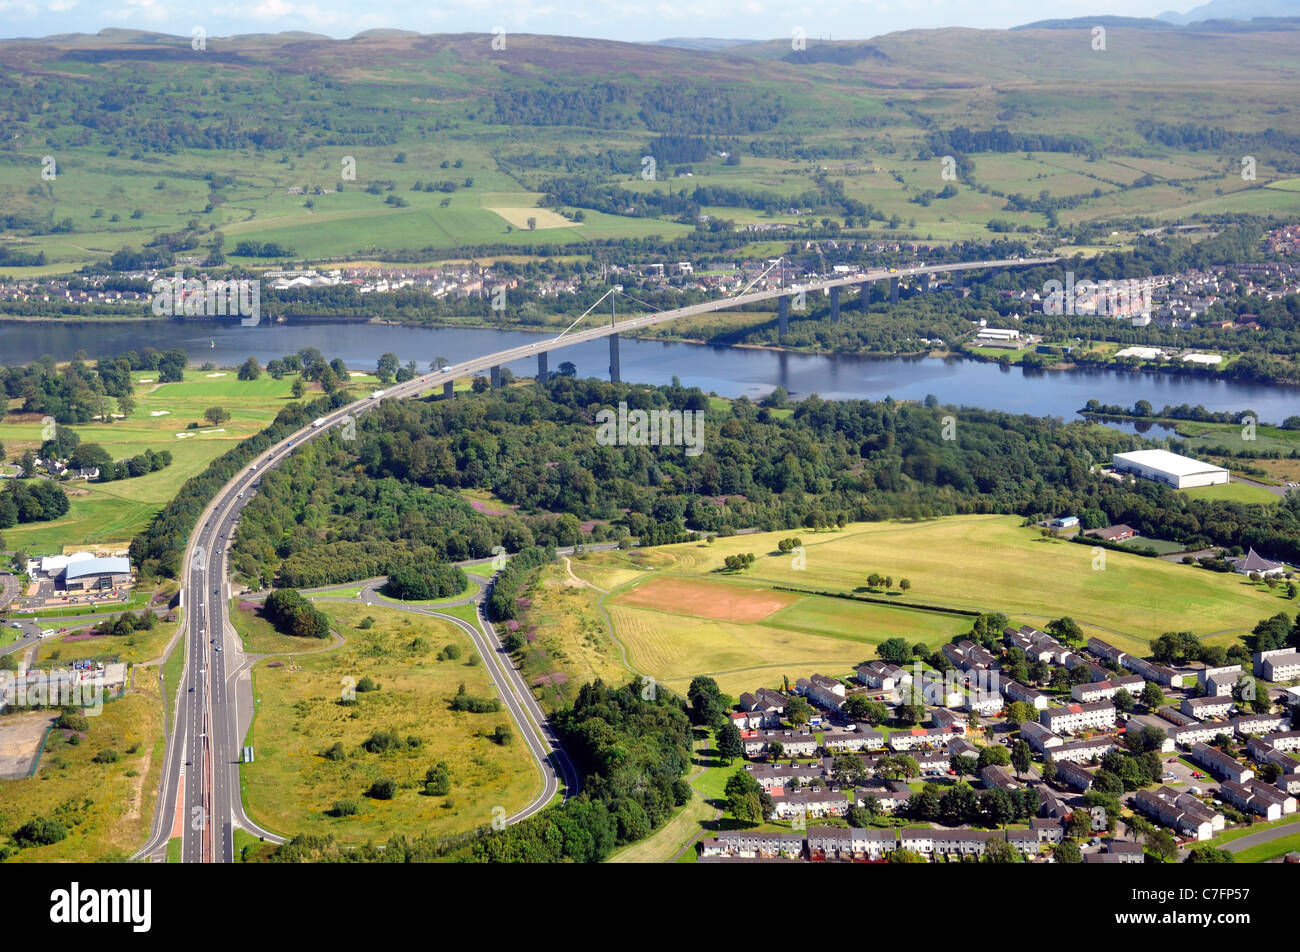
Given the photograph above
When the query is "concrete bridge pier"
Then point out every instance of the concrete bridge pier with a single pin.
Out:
(447, 390)
(893, 290)
(495, 377)
(615, 375)
(956, 279)
(783, 315)
(925, 283)
(542, 375)
(835, 304)
(864, 292)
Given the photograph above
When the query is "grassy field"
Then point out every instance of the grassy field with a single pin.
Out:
(724, 641)
(107, 808)
(114, 512)
(1235, 492)
(979, 563)
(570, 637)
(291, 787)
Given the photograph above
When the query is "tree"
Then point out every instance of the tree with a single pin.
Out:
(1209, 854)
(1049, 769)
(1020, 758)
(964, 765)
(744, 800)
(994, 755)
(910, 714)
(1067, 851)
(1065, 629)
(1162, 844)
(798, 711)
(898, 766)
(298, 388)
(1000, 851)
(1122, 700)
(250, 369)
(904, 584)
(386, 367)
(861, 708)
(707, 706)
(532, 223)
(216, 415)
(1018, 712)
(1152, 697)
(1270, 634)
(894, 651)
(730, 745)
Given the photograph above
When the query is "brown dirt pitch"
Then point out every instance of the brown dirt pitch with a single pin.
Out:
(705, 599)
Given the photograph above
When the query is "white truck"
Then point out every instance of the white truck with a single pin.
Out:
(318, 423)
(375, 395)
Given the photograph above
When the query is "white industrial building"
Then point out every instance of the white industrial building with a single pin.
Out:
(1180, 472)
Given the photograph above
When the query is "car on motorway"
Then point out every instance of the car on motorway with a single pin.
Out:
(218, 648)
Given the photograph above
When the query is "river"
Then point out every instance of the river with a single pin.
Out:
(728, 371)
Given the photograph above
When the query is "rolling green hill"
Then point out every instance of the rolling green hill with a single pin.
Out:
(158, 148)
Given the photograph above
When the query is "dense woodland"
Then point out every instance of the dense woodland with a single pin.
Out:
(337, 510)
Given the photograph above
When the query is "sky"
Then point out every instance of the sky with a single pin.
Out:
(629, 20)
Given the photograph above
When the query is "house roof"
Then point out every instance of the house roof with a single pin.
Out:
(1252, 561)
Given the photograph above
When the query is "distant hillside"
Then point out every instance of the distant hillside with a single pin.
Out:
(1233, 10)
(701, 43)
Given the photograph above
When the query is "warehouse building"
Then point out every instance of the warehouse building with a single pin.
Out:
(92, 574)
(1180, 472)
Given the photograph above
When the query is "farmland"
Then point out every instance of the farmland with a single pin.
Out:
(429, 147)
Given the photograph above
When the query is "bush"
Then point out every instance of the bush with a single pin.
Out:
(294, 615)
(367, 684)
(107, 756)
(503, 735)
(349, 806)
(336, 752)
(41, 831)
(382, 741)
(384, 789)
(437, 780)
(72, 720)
(422, 583)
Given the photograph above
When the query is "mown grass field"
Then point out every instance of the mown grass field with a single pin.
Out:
(977, 563)
(1235, 492)
(106, 808)
(290, 787)
(116, 511)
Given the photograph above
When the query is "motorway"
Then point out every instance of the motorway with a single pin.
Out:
(199, 799)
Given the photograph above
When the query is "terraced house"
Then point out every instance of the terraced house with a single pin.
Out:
(1073, 718)
(1107, 689)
